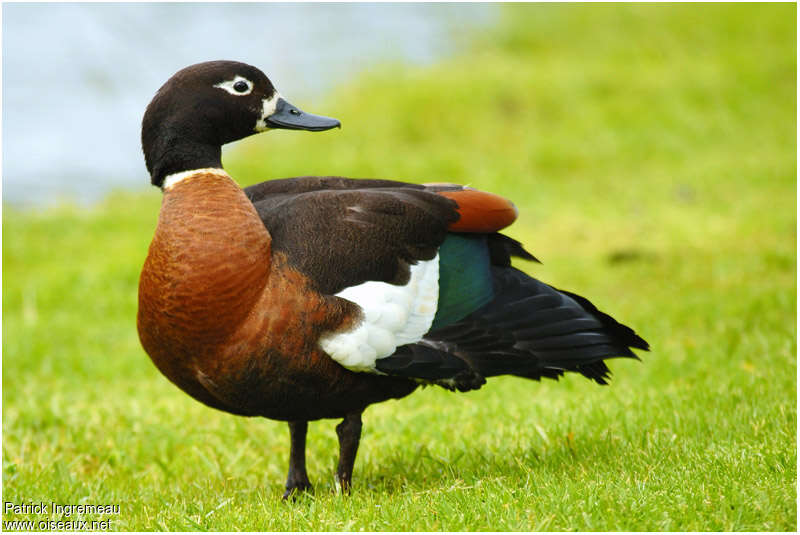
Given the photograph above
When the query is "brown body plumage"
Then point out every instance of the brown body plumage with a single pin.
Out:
(234, 325)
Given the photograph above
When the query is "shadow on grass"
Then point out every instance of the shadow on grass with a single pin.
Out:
(423, 470)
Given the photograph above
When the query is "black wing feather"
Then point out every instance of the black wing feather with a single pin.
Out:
(341, 232)
(530, 330)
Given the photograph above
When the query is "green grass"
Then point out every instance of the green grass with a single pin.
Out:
(651, 152)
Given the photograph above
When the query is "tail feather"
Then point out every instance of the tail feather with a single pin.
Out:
(538, 314)
(558, 328)
(573, 341)
(502, 248)
(529, 329)
(622, 332)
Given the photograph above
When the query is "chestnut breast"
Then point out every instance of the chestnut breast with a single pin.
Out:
(231, 323)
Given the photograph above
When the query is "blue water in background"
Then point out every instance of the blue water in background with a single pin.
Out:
(77, 77)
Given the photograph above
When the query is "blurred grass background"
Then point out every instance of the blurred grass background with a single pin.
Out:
(651, 150)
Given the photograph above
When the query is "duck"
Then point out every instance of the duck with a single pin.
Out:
(313, 297)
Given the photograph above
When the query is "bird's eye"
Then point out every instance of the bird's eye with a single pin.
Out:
(238, 87)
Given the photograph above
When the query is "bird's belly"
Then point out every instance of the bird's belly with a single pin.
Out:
(272, 387)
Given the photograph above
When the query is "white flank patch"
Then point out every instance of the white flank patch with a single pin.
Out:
(268, 106)
(227, 85)
(174, 178)
(393, 316)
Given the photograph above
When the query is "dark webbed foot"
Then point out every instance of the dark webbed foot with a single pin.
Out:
(293, 488)
(297, 480)
(349, 432)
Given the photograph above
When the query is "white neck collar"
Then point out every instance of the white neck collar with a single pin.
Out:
(174, 178)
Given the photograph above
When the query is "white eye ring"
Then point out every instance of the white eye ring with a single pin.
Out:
(230, 86)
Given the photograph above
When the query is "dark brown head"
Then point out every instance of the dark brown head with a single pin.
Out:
(207, 105)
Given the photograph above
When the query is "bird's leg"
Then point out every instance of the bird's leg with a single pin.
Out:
(349, 432)
(298, 478)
